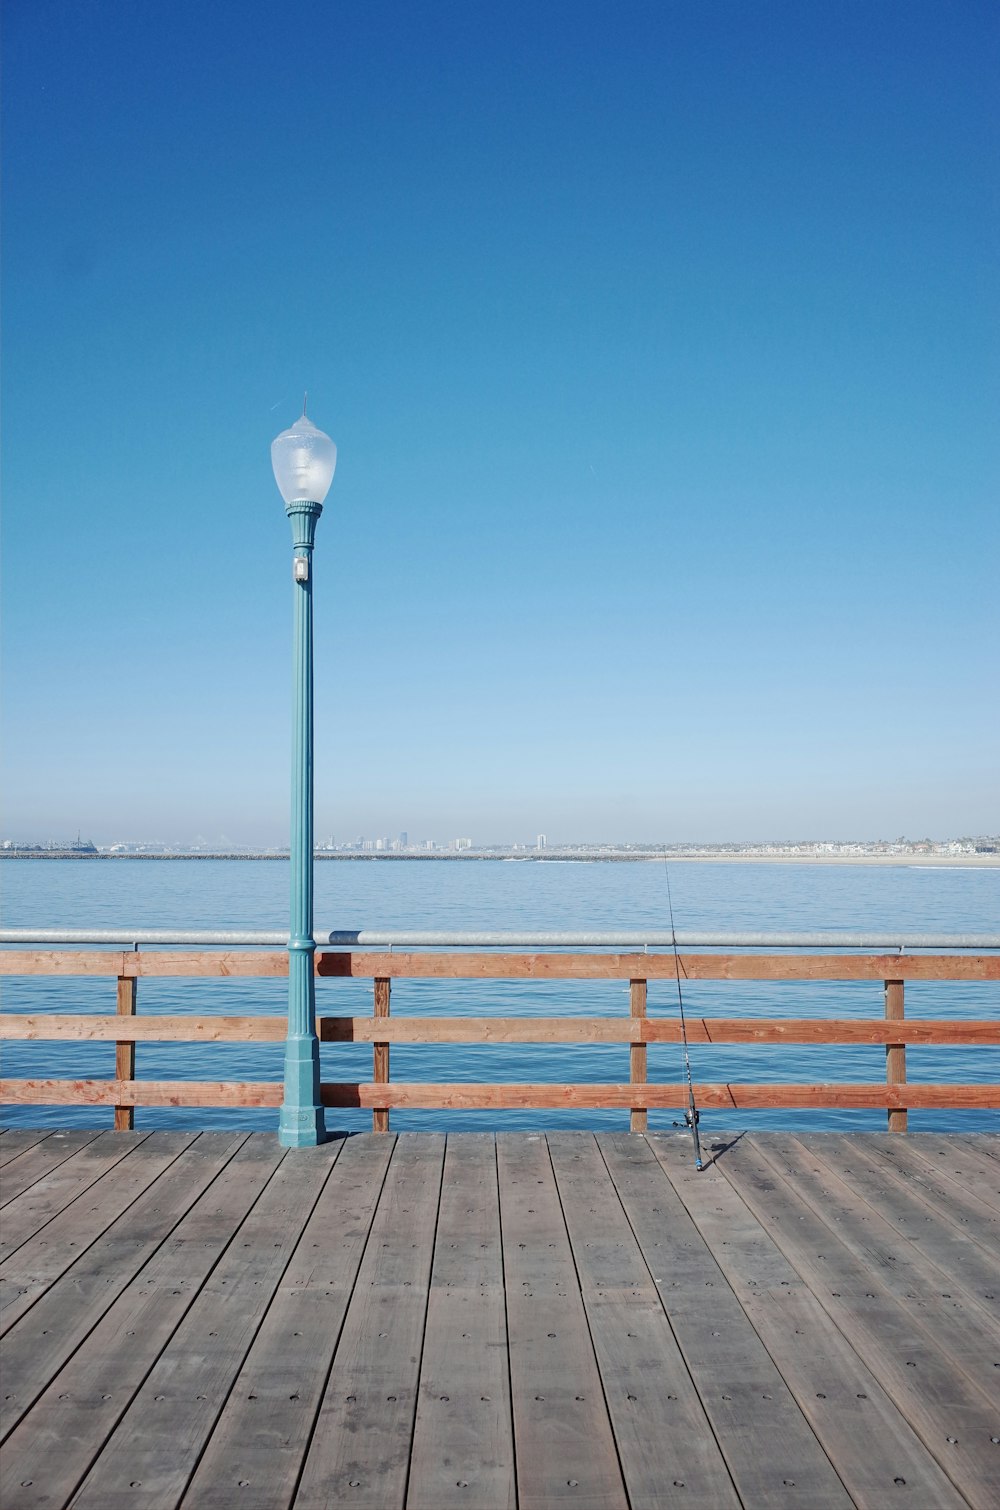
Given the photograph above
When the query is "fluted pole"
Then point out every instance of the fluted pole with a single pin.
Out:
(302, 1123)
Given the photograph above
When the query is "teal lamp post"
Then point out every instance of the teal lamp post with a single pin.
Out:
(303, 459)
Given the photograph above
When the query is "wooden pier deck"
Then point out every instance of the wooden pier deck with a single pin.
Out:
(561, 1320)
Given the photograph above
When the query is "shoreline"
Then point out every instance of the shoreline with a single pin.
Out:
(940, 862)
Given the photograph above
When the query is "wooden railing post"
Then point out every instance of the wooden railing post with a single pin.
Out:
(895, 1053)
(380, 1054)
(125, 1052)
(637, 1054)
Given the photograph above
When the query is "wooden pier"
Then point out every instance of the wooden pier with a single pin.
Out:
(428, 1321)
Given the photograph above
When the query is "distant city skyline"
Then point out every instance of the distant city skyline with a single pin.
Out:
(383, 845)
(659, 347)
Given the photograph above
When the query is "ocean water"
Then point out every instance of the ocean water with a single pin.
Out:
(495, 895)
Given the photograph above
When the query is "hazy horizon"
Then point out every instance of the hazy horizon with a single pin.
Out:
(529, 842)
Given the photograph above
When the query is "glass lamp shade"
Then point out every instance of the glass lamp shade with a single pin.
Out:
(303, 459)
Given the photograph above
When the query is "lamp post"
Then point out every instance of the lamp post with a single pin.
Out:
(303, 459)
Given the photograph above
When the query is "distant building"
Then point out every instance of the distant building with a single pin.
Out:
(463, 843)
(404, 839)
(540, 842)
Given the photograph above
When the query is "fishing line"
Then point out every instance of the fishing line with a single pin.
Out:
(691, 1115)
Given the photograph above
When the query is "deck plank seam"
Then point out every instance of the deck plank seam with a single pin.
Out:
(947, 1277)
(934, 1211)
(86, 1190)
(949, 1175)
(101, 1314)
(990, 1147)
(7, 1158)
(586, 1310)
(112, 1427)
(225, 1394)
(4, 1329)
(681, 1353)
(887, 1161)
(154, 1362)
(989, 1323)
(321, 1393)
(752, 1325)
(67, 1155)
(98, 1448)
(864, 1369)
(506, 1328)
(887, 1384)
(423, 1330)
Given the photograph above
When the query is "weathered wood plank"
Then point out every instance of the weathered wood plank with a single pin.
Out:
(156, 1028)
(256, 1451)
(669, 1096)
(639, 1030)
(77, 1359)
(946, 1410)
(920, 1207)
(959, 1164)
(895, 1052)
(966, 1329)
(380, 1052)
(267, 1093)
(637, 1063)
(486, 965)
(564, 1444)
(668, 1452)
(463, 1445)
(984, 1144)
(171, 1028)
(361, 1446)
(155, 1447)
(876, 1453)
(40, 1159)
(128, 962)
(769, 1446)
(125, 1050)
(143, 1092)
(39, 1262)
(29, 1212)
(18, 1140)
(815, 1264)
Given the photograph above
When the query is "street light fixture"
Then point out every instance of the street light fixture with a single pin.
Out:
(303, 459)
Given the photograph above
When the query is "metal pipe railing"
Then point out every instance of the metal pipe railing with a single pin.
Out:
(632, 938)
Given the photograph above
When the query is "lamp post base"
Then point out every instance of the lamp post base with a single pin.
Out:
(301, 1126)
(302, 1123)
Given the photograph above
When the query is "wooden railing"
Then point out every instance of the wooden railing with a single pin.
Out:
(125, 1028)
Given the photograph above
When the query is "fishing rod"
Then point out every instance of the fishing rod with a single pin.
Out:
(691, 1114)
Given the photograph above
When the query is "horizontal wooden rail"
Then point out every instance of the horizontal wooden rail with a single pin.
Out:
(460, 1095)
(498, 1030)
(667, 1097)
(773, 967)
(639, 1029)
(489, 966)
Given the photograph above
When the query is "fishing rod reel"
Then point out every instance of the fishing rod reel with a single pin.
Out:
(692, 1117)
(691, 1114)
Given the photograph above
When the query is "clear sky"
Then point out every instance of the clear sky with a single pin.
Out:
(659, 341)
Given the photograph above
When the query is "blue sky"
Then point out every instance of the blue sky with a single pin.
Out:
(659, 342)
